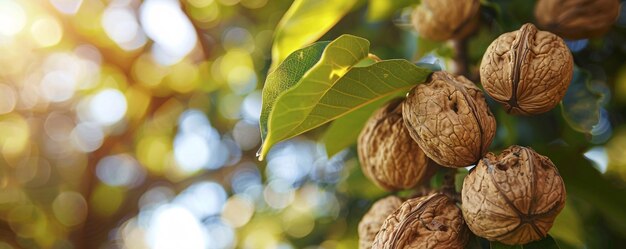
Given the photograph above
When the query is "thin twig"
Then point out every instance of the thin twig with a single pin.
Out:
(449, 186)
(460, 57)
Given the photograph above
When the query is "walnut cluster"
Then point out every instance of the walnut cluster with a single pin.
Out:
(440, 20)
(513, 197)
(433, 222)
(527, 70)
(450, 120)
(374, 218)
(388, 155)
(577, 19)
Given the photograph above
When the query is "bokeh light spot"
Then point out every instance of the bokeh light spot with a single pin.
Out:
(166, 24)
(108, 106)
(106, 200)
(191, 152)
(12, 18)
(203, 199)
(87, 137)
(220, 235)
(237, 211)
(46, 31)
(67, 6)
(172, 226)
(120, 170)
(120, 24)
(70, 208)
(242, 80)
(14, 134)
(58, 86)
(8, 99)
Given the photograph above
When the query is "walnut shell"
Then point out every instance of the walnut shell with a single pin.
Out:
(388, 155)
(513, 197)
(527, 70)
(374, 218)
(431, 222)
(441, 20)
(577, 19)
(450, 120)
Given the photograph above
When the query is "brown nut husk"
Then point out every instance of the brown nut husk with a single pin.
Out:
(388, 155)
(374, 218)
(577, 19)
(513, 197)
(527, 70)
(433, 222)
(441, 20)
(449, 119)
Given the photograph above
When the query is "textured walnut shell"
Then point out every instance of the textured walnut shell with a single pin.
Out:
(513, 197)
(440, 20)
(527, 70)
(433, 222)
(374, 218)
(388, 155)
(577, 19)
(449, 119)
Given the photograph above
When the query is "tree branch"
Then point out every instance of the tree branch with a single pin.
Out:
(460, 57)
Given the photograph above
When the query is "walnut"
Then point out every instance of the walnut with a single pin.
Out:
(527, 70)
(374, 218)
(388, 155)
(431, 222)
(440, 20)
(450, 120)
(577, 19)
(513, 197)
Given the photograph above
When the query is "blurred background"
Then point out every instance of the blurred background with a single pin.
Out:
(134, 124)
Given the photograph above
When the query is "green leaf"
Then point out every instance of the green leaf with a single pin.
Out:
(584, 181)
(379, 10)
(425, 46)
(568, 227)
(334, 87)
(344, 131)
(546, 243)
(304, 23)
(582, 102)
(459, 177)
(474, 243)
(287, 75)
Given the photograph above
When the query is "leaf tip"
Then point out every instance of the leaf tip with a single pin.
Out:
(262, 152)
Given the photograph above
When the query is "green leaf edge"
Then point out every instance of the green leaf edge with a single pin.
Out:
(265, 147)
(266, 111)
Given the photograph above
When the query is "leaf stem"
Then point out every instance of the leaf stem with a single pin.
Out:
(374, 57)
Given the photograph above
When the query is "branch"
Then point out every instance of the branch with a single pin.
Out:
(460, 57)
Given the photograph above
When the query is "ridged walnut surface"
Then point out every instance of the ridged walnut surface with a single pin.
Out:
(527, 70)
(388, 155)
(431, 222)
(577, 19)
(450, 120)
(513, 197)
(440, 20)
(374, 218)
